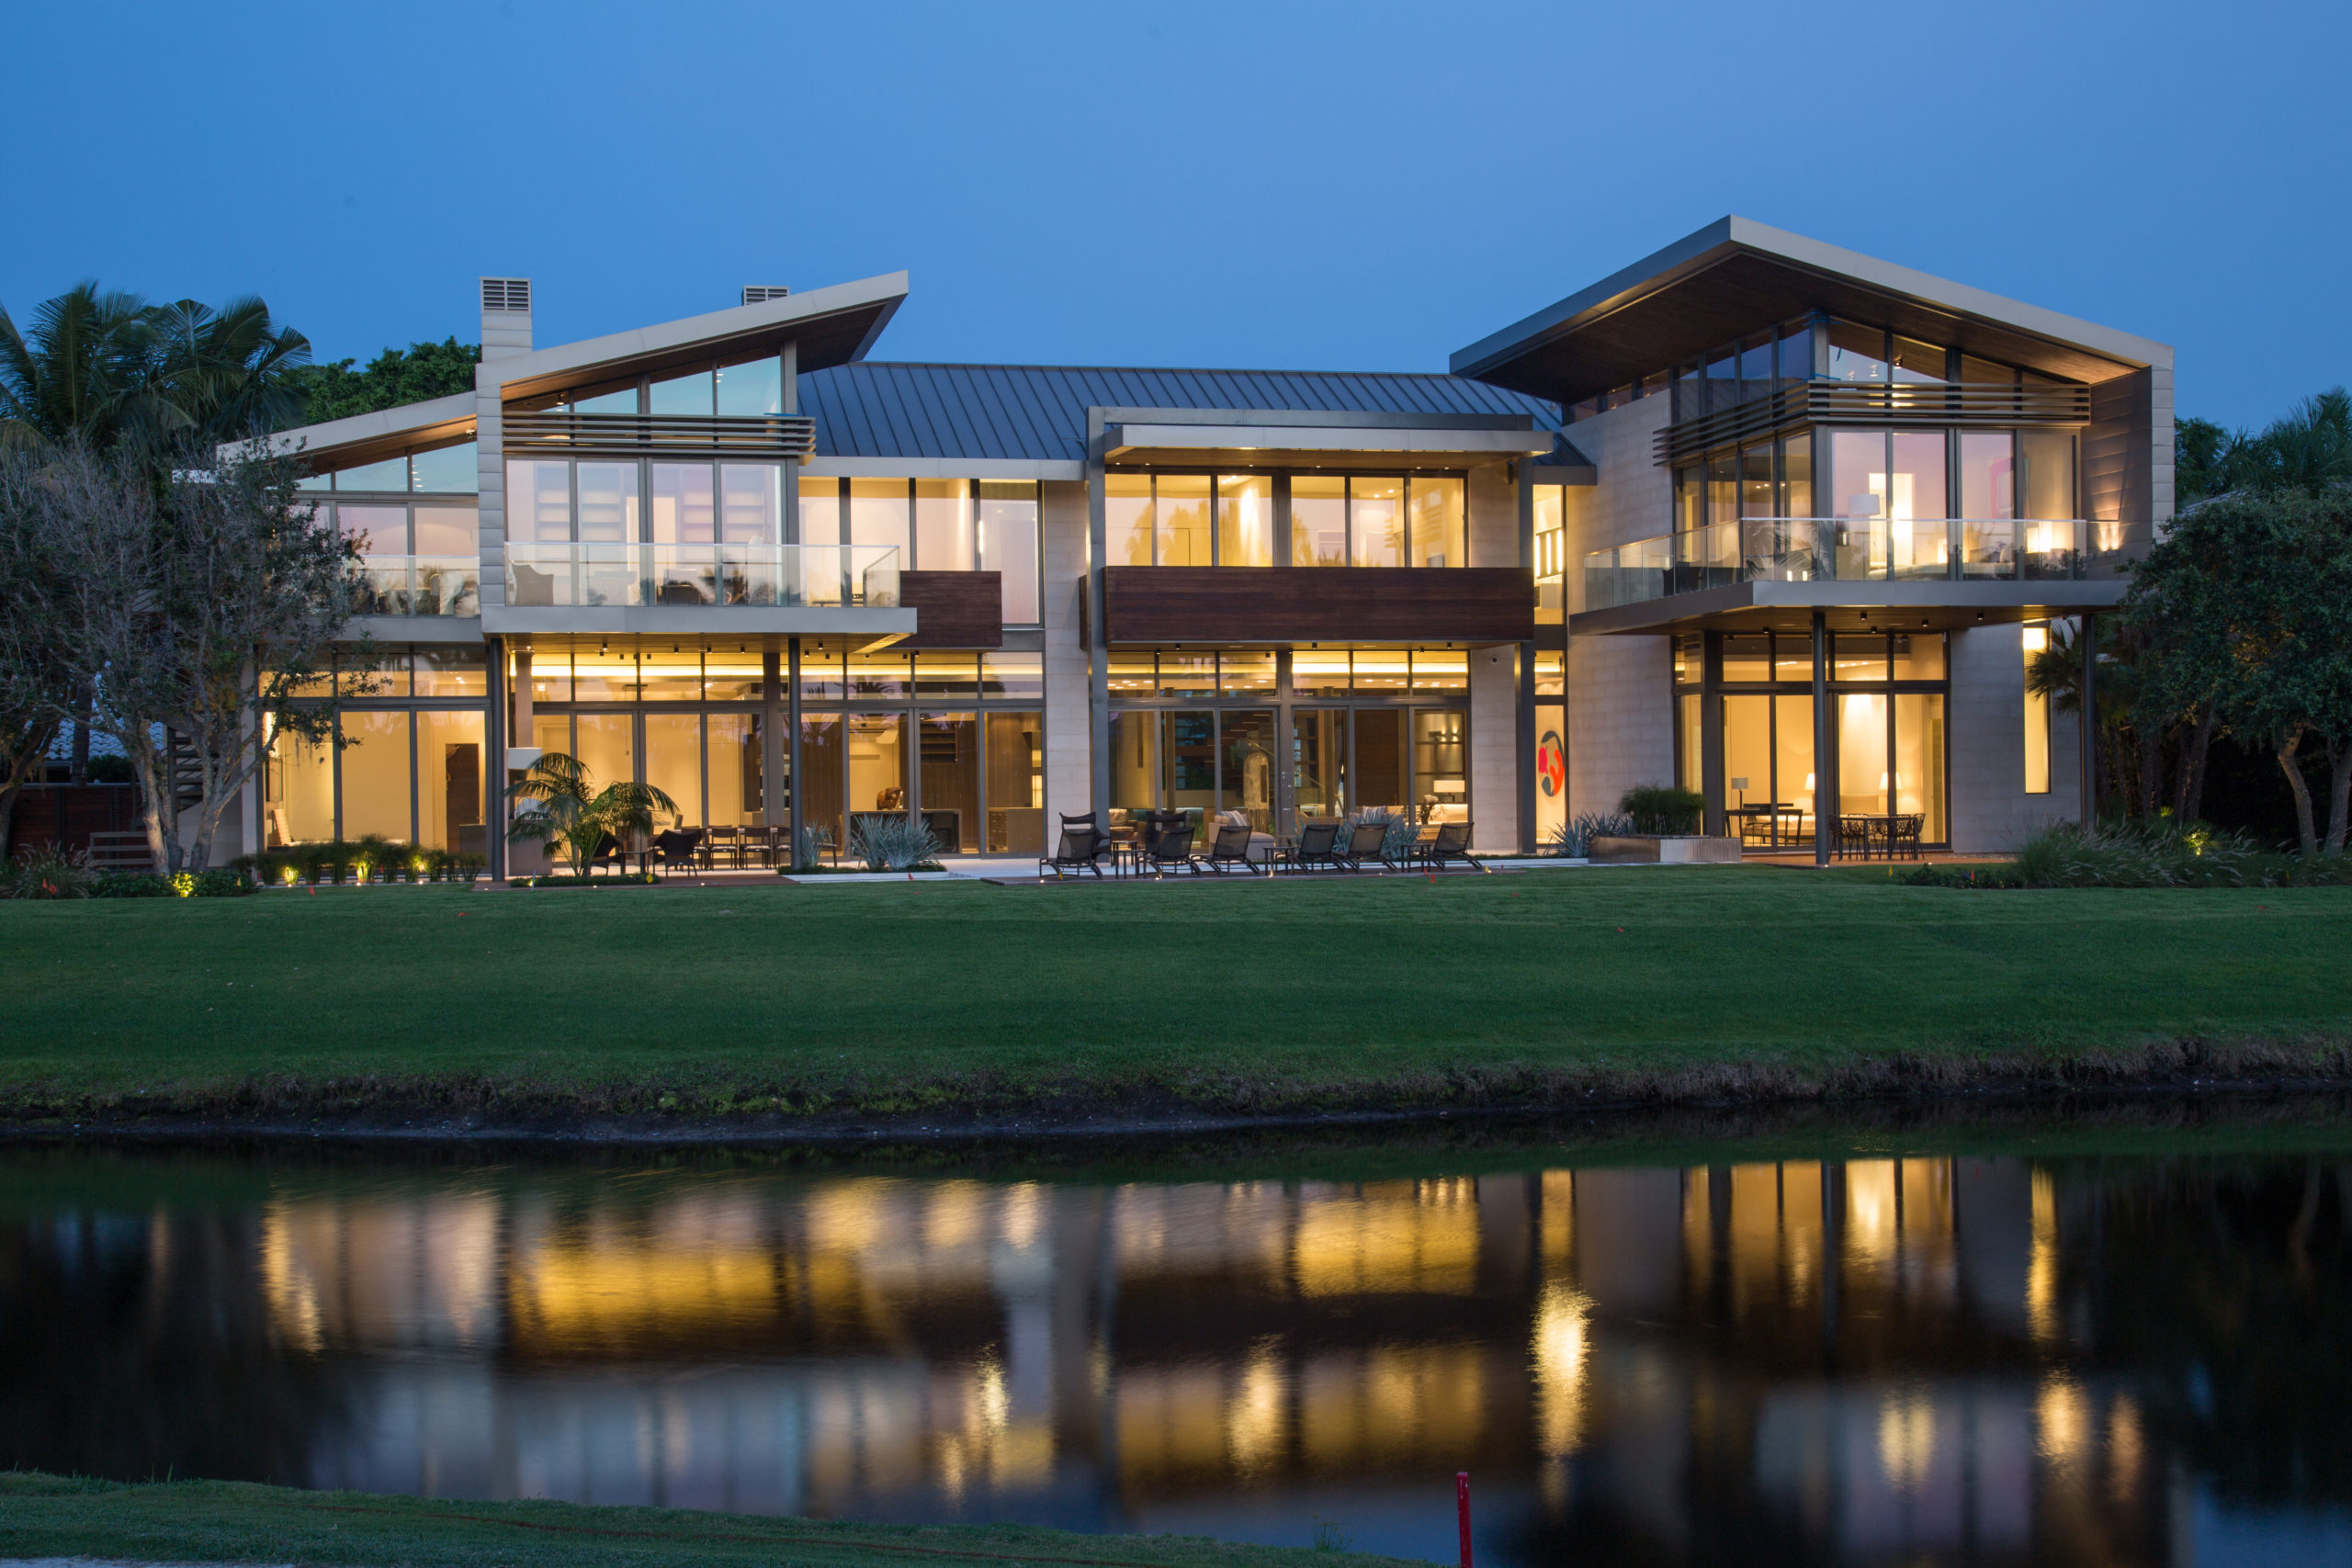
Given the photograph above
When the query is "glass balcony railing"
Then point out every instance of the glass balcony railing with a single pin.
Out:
(785, 576)
(1850, 549)
(420, 585)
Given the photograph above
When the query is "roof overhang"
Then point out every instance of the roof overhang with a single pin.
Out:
(833, 325)
(1851, 606)
(387, 432)
(1736, 276)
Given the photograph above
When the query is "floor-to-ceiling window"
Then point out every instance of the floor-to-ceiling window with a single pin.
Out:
(413, 766)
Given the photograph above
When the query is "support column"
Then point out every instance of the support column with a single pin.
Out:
(2088, 638)
(789, 743)
(775, 783)
(494, 773)
(1098, 685)
(1820, 779)
(1527, 844)
(1710, 729)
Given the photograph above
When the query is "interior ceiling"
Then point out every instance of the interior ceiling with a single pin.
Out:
(1744, 291)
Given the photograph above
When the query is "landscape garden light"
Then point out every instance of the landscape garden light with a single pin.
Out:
(182, 885)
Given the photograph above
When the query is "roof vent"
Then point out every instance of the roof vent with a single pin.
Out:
(760, 293)
(506, 294)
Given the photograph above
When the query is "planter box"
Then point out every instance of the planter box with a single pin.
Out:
(1654, 848)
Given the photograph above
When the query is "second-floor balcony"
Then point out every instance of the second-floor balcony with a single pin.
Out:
(419, 585)
(759, 576)
(1850, 549)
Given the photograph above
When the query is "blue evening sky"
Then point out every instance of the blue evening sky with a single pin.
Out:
(1344, 187)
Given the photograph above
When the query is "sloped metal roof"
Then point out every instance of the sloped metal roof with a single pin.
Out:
(1037, 412)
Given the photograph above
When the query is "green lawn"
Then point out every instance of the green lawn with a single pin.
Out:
(220, 1521)
(1233, 995)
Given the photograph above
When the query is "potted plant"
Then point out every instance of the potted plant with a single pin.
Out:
(1665, 828)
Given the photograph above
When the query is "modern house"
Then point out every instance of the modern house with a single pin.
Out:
(1767, 517)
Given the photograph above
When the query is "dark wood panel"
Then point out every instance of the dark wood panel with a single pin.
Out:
(954, 609)
(1285, 604)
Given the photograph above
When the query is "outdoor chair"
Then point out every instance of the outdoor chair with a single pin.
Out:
(1854, 837)
(1404, 855)
(677, 846)
(1106, 843)
(726, 848)
(1366, 840)
(1904, 840)
(1081, 848)
(1168, 843)
(1451, 847)
(1230, 848)
(1315, 848)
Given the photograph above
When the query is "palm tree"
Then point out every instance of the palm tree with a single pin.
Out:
(74, 377)
(227, 373)
(562, 811)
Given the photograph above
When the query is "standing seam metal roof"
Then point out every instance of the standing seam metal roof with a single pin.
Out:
(1037, 412)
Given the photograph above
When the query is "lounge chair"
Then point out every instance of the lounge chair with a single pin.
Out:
(1105, 842)
(1230, 848)
(1314, 848)
(1081, 848)
(1365, 841)
(1168, 843)
(1451, 847)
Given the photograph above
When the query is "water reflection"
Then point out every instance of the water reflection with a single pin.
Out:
(1913, 1359)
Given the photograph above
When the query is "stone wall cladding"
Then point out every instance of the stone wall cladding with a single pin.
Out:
(1621, 719)
(1061, 523)
(1494, 746)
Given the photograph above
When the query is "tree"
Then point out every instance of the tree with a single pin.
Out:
(394, 378)
(200, 603)
(75, 374)
(30, 683)
(560, 810)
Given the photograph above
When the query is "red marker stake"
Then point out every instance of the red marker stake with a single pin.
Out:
(1462, 1508)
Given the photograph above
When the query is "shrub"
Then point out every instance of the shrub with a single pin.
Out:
(893, 843)
(111, 769)
(1574, 837)
(573, 879)
(1663, 809)
(2165, 854)
(129, 884)
(47, 872)
(221, 882)
(1962, 877)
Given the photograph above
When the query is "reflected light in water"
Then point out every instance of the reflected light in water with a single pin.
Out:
(1559, 1354)
(1906, 1439)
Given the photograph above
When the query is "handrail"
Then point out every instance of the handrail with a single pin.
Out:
(1874, 402)
(419, 585)
(1847, 549)
(835, 576)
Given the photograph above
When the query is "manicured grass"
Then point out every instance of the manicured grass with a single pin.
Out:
(1236, 995)
(225, 1521)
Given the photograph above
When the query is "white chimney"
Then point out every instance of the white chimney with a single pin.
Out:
(761, 293)
(506, 317)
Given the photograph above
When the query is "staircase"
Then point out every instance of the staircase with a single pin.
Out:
(187, 772)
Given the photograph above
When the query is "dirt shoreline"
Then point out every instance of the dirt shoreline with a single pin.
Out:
(472, 1111)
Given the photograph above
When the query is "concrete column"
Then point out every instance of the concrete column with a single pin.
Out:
(1822, 782)
(1495, 766)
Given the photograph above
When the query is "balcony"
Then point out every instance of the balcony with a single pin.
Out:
(419, 585)
(690, 575)
(1874, 402)
(1848, 549)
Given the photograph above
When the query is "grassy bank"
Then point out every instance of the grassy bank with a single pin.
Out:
(219, 1521)
(766, 1004)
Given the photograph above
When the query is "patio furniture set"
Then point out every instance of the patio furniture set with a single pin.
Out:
(1157, 843)
(1778, 825)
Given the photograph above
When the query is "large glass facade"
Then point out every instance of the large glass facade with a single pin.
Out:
(409, 771)
(1177, 519)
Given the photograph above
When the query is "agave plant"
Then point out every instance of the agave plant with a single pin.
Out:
(559, 807)
(892, 843)
(1573, 839)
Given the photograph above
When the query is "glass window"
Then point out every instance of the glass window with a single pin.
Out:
(821, 512)
(1381, 671)
(820, 778)
(1918, 656)
(1183, 519)
(735, 769)
(683, 512)
(1319, 672)
(1551, 677)
(673, 766)
(750, 388)
(452, 672)
(1551, 772)
(688, 395)
(1131, 674)
(1756, 491)
(315, 481)
(1796, 476)
(946, 674)
(1690, 499)
(1127, 499)
(551, 677)
(447, 471)
(1862, 753)
(944, 540)
(1249, 757)
(1382, 759)
(378, 530)
(1319, 762)
(449, 749)
(1858, 658)
(1748, 752)
(1689, 771)
(1013, 675)
(604, 675)
(385, 674)
(553, 732)
(1755, 367)
(1245, 673)
(621, 399)
(751, 502)
(1918, 362)
(391, 474)
(448, 531)
(733, 675)
(878, 675)
(1857, 354)
(1441, 764)
(1189, 751)
(1858, 473)
(2046, 473)
(1245, 520)
(1797, 352)
(1008, 530)
(1376, 522)
(1187, 674)
(1318, 520)
(1747, 658)
(671, 674)
(1686, 661)
(877, 762)
(1793, 753)
(949, 747)
(1919, 496)
(2035, 640)
(1014, 783)
(300, 790)
(1550, 506)
(1135, 763)
(1793, 657)
(608, 501)
(1723, 487)
(1438, 523)
(878, 514)
(376, 775)
(1722, 381)
(821, 674)
(1441, 670)
(1919, 784)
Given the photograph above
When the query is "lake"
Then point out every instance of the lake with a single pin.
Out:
(2109, 1334)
